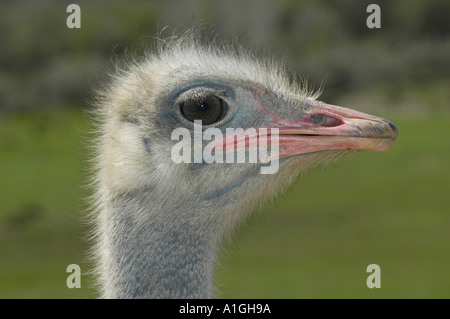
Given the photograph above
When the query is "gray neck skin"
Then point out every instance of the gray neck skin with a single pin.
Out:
(155, 253)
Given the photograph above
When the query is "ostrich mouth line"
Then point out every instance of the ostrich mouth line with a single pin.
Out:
(373, 136)
(368, 135)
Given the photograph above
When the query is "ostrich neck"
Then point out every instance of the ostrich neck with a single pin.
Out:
(150, 250)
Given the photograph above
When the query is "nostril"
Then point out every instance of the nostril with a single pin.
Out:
(319, 119)
(326, 121)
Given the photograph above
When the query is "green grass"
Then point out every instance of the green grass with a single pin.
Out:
(41, 224)
(389, 208)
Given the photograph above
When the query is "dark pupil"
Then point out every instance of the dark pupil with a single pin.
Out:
(209, 110)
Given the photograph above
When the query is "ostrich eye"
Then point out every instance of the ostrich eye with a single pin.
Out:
(209, 110)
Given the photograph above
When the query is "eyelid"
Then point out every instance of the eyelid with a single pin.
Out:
(199, 93)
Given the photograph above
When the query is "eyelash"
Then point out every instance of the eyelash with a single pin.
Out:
(198, 94)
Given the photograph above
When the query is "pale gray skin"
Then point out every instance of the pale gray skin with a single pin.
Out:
(160, 224)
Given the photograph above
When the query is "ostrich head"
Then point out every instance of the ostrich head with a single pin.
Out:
(160, 222)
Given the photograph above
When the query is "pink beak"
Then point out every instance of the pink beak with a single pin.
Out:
(325, 127)
(331, 127)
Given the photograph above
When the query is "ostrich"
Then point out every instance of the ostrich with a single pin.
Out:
(160, 224)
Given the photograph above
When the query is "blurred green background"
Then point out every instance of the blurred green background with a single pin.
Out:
(391, 209)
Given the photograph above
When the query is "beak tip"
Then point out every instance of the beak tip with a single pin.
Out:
(393, 128)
